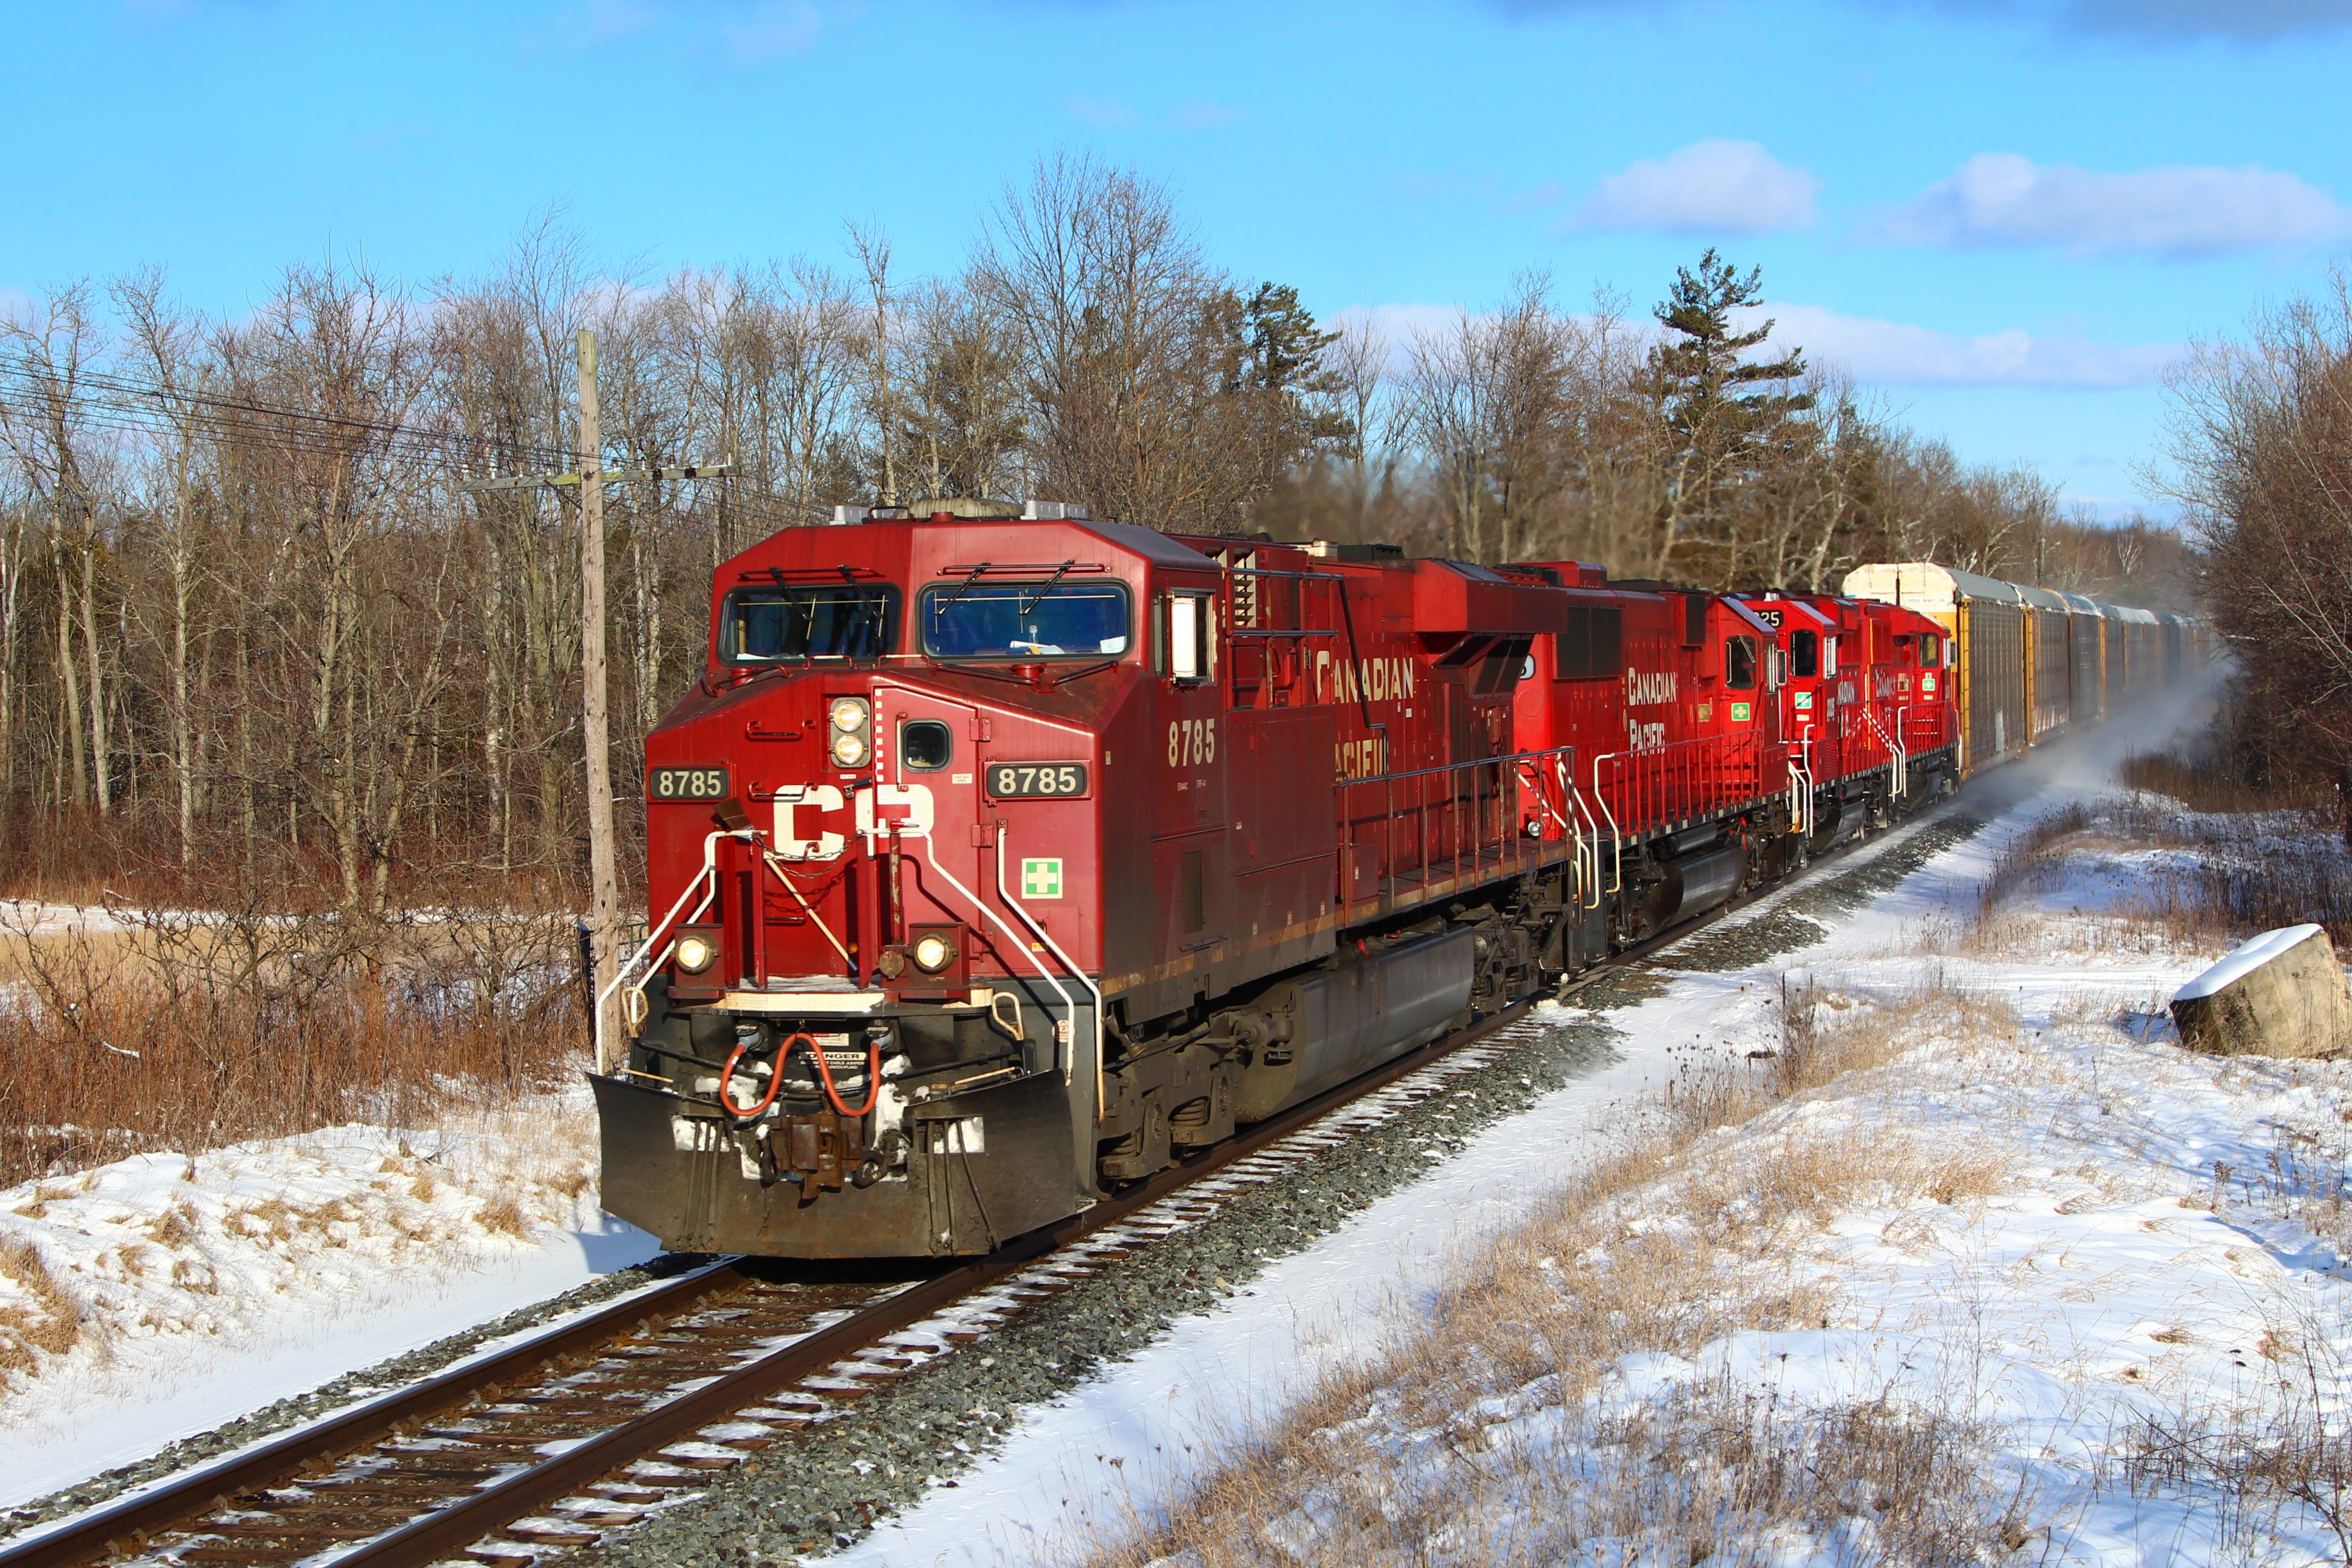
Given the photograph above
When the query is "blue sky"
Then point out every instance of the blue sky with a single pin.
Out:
(2005, 214)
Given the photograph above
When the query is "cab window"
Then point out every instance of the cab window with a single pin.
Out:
(1025, 620)
(794, 624)
(1931, 649)
(1740, 663)
(1804, 653)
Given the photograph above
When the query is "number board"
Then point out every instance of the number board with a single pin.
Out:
(686, 784)
(1021, 780)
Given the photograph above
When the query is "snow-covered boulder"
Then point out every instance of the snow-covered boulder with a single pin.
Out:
(2279, 994)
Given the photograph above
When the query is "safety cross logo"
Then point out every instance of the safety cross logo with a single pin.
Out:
(1740, 713)
(1041, 879)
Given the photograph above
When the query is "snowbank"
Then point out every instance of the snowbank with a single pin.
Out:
(150, 1299)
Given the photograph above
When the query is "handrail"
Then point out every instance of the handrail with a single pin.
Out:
(1069, 1002)
(1427, 815)
(1076, 972)
(708, 873)
(1800, 773)
(1590, 857)
(1616, 833)
(1543, 801)
(1688, 778)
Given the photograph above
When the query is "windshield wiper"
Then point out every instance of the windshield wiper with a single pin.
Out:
(1041, 593)
(959, 587)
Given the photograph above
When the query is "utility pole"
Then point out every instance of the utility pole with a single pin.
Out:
(595, 702)
(595, 719)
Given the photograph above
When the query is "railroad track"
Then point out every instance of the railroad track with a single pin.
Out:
(612, 1417)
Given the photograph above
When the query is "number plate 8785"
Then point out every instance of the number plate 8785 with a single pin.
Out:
(686, 784)
(1016, 780)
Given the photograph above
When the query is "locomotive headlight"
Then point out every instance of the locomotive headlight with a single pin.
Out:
(848, 714)
(695, 954)
(933, 952)
(849, 751)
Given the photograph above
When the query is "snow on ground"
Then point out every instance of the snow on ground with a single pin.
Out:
(2130, 1292)
(153, 1297)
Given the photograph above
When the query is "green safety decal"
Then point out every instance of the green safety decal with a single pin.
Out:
(1041, 879)
(1740, 712)
(1804, 700)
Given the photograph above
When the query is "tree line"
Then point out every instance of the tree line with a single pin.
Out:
(253, 626)
(2263, 438)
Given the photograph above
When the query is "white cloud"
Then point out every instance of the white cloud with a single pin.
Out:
(1399, 325)
(711, 33)
(2177, 212)
(1713, 187)
(1892, 353)
(2157, 21)
(765, 32)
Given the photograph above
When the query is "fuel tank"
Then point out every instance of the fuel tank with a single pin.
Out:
(1327, 1027)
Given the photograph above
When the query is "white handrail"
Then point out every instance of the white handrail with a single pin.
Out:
(1895, 775)
(1616, 834)
(1587, 856)
(1803, 769)
(1526, 765)
(708, 873)
(1069, 1002)
(1076, 973)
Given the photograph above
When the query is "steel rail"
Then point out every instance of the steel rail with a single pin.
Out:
(95, 1535)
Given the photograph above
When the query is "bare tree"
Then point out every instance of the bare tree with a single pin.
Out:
(2262, 436)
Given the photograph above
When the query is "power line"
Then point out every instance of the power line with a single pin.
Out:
(126, 404)
(109, 402)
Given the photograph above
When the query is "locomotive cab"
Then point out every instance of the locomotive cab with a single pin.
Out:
(868, 1018)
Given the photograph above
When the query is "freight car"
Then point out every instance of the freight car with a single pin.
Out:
(999, 857)
(2033, 663)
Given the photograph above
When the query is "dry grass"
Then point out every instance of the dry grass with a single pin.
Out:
(2241, 875)
(2294, 1449)
(48, 1322)
(1476, 1436)
(191, 1031)
(2203, 775)
(503, 1216)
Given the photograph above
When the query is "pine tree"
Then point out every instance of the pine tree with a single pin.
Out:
(1722, 409)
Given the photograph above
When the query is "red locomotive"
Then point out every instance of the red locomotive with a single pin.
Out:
(997, 859)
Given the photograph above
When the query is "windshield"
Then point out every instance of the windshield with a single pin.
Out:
(1025, 620)
(1740, 663)
(830, 621)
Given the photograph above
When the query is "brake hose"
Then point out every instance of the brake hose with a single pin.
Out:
(775, 1079)
(825, 1076)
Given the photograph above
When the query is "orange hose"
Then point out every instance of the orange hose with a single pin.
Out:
(824, 1075)
(775, 1079)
